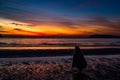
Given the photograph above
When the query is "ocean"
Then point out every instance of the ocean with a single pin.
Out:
(53, 64)
(57, 43)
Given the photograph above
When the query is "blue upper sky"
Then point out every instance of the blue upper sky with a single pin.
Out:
(61, 8)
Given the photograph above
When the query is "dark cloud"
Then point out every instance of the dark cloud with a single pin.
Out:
(14, 13)
(86, 4)
(28, 16)
(103, 21)
(51, 20)
(3, 31)
(18, 2)
(35, 22)
(68, 23)
(17, 29)
(17, 24)
(20, 14)
(1, 26)
(104, 25)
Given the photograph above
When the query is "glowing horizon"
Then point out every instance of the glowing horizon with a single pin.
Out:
(30, 19)
(49, 29)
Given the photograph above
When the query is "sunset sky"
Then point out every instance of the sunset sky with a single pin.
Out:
(59, 17)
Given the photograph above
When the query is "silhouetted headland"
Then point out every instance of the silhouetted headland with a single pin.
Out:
(103, 36)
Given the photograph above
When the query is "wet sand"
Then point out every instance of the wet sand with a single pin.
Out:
(102, 67)
(55, 52)
(103, 64)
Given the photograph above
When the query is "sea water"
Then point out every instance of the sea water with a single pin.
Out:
(57, 43)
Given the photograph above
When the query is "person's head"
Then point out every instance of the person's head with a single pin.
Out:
(77, 49)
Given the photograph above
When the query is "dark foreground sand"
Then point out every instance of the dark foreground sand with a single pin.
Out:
(102, 67)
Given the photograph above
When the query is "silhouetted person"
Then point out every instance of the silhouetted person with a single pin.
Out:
(79, 61)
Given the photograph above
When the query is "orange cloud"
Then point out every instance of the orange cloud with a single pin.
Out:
(53, 29)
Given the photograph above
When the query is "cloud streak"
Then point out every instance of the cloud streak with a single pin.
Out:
(86, 4)
(103, 21)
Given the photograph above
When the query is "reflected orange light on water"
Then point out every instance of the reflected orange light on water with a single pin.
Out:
(56, 47)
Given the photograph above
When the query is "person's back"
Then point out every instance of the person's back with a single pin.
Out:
(79, 61)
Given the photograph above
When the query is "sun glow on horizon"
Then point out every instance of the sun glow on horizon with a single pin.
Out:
(15, 28)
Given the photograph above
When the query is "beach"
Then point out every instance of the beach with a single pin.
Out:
(59, 39)
(100, 67)
(59, 68)
(51, 59)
